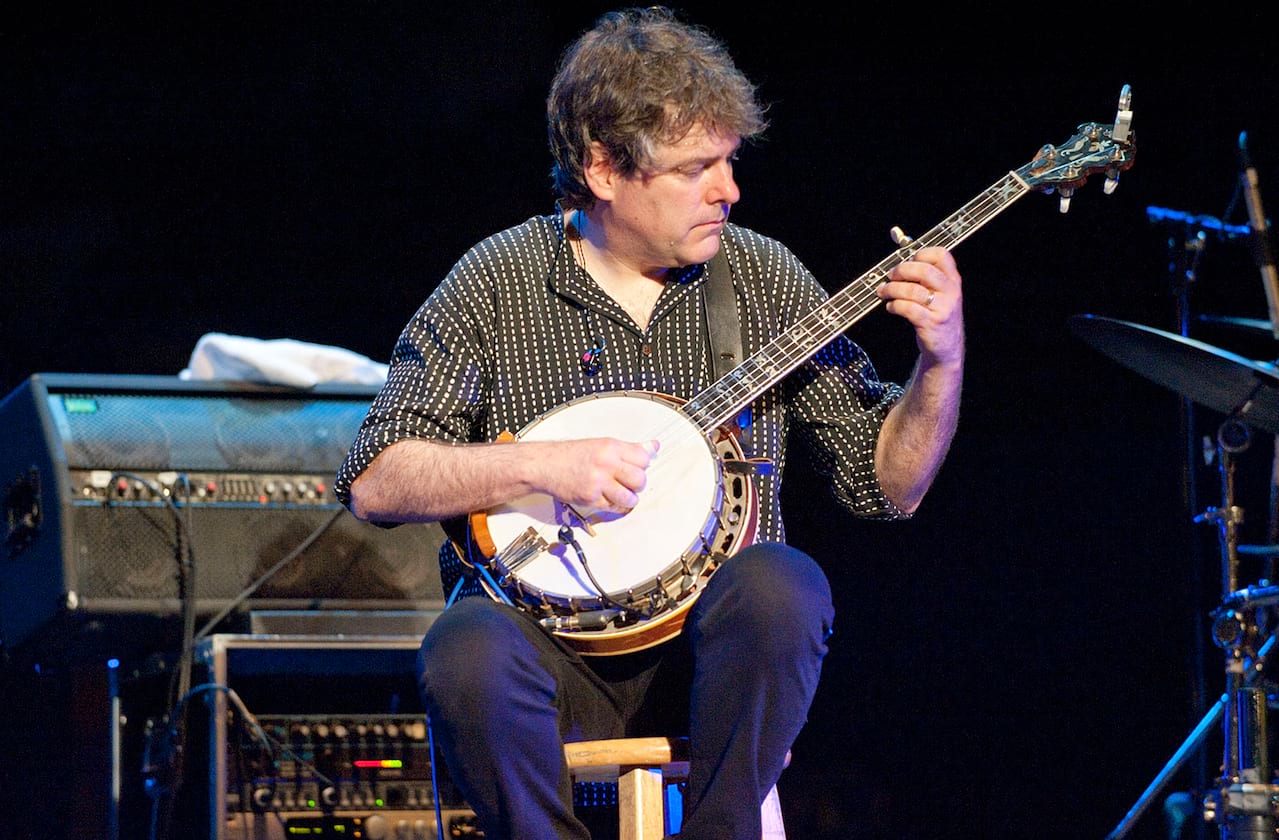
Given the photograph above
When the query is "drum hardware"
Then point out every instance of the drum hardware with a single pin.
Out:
(1246, 324)
(1245, 800)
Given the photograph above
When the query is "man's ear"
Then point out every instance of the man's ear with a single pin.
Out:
(598, 170)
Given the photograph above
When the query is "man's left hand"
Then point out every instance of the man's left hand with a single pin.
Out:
(928, 292)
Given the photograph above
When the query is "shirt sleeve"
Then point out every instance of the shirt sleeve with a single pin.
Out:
(437, 378)
(837, 405)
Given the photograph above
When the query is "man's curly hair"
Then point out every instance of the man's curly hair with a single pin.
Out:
(638, 78)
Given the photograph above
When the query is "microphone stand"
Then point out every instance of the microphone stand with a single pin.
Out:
(1259, 246)
(1186, 245)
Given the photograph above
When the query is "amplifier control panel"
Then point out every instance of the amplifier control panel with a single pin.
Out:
(320, 765)
(291, 489)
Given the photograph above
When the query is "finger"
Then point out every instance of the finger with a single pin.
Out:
(918, 292)
(943, 259)
(631, 477)
(918, 273)
(617, 497)
(641, 455)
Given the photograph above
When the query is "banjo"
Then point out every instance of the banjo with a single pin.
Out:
(610, 582)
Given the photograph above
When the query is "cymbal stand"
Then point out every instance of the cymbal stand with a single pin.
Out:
(1244, 802)
(1233, 438)
(1243, 805)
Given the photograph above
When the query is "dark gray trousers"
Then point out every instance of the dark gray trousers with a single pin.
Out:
(503, 695)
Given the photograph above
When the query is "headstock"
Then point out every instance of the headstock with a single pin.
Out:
(1094, 148)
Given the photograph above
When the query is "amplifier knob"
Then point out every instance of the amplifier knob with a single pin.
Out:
(376, 827)
(262, 797)
(329, 796)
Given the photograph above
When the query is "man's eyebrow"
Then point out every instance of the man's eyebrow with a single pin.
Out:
(696, 158)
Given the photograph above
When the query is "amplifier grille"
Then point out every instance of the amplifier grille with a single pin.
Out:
(129, 552)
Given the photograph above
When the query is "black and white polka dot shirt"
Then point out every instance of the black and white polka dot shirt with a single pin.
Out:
(500, 343)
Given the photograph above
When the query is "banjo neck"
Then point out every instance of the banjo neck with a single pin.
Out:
(725, 398)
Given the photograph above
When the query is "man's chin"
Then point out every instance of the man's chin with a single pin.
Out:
(703, 251)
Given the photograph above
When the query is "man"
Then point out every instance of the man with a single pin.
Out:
(646, 116)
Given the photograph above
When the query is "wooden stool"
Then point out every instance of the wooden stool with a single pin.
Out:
(642, 768)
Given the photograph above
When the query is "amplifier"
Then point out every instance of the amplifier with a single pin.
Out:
(318, 736)
(112, 483)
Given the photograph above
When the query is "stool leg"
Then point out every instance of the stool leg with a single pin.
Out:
(771, 817)
(639, 804)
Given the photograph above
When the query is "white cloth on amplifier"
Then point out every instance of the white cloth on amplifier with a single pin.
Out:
(279, 361)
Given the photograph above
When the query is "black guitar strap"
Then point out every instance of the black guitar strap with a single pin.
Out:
(722, 324)
(724, 330)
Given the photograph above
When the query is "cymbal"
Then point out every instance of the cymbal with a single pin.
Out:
(1252, 324)
(1228, 383)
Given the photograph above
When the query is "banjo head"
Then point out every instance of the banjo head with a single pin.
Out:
(655, 557)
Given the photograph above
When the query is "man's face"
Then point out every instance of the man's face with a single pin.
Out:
(670, 213)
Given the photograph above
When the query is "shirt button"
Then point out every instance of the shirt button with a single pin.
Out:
(647, 350)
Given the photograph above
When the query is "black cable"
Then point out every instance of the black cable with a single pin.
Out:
(163, 766)
(164, 775)
(566, 537)
(435, 782)
(186, 590)
(174, 744)
(269, 573)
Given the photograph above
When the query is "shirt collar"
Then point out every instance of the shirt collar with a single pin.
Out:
(568, 279)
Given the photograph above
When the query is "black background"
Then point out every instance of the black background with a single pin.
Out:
(1023, 657)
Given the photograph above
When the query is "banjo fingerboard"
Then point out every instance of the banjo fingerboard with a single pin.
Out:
(724, 399)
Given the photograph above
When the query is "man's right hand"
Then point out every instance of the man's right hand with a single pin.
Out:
(427, 481)
(602, 473)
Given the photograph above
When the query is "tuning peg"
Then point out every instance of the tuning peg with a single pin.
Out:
(1112, 173)
(1112, 181)
(899, 237)
(1123, 116)
(1065, 193)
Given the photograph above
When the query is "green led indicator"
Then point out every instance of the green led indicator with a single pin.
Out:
(310, 803)
(380, 802)
(80, 405)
